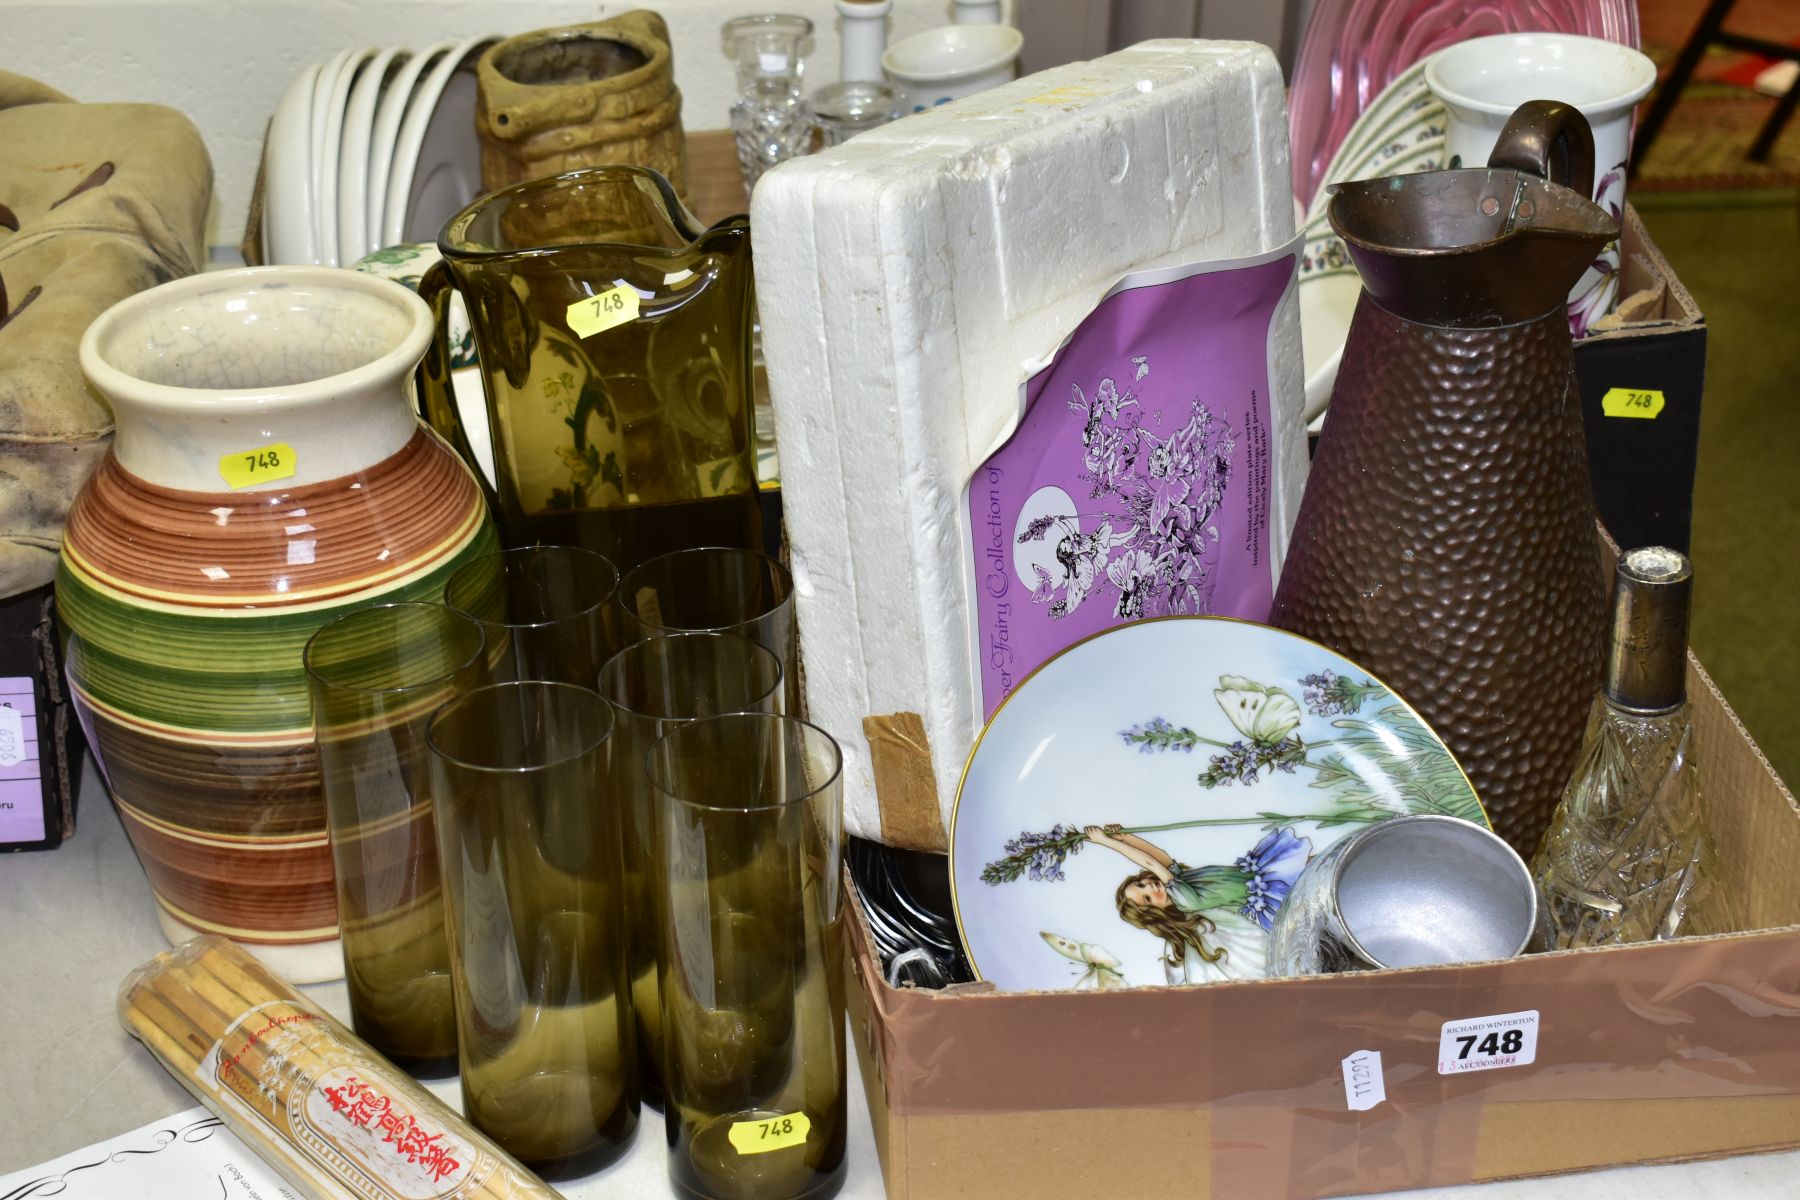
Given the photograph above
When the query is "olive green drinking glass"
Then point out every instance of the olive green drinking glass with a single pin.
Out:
(528, 831)
(547, 611)
(374, 676)
(716, 589)
(749, 843)
(655, 685)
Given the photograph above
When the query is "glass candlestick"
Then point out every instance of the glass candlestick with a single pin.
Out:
(769, 51)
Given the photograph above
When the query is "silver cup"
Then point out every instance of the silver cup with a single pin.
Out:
(1408, 892)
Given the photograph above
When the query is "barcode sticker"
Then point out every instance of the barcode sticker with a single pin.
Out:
(1488, 1043)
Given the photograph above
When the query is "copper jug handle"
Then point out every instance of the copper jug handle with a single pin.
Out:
(1551, 140)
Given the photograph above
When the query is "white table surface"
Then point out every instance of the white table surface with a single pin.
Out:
(74, 921)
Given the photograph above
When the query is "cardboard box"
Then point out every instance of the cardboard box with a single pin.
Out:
(1642, 451)
(1236, 1091)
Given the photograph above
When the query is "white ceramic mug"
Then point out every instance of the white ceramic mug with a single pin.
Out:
(950, 62)
(1481, 82)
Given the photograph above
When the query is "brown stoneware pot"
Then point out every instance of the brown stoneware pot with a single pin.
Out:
(595, 95)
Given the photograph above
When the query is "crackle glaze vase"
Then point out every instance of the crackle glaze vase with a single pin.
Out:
(268, 473)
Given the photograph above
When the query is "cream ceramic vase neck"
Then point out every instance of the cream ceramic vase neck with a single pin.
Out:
(311, 357)
(268, 474)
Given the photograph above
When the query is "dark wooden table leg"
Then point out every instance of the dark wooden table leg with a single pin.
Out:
(1670, 92)
(1765, 141)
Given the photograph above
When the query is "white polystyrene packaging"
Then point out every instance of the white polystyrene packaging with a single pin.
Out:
(910, 279)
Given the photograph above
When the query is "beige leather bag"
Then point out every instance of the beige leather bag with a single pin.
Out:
(97, 201)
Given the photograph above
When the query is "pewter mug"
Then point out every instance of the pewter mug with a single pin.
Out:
(1409, 892)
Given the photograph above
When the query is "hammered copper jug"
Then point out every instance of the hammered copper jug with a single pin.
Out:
(1447, 540)
(614, 336)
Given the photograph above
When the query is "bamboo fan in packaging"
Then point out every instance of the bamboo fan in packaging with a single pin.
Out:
(334, 1117)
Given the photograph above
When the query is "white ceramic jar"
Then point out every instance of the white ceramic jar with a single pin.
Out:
(1481, 82)
(950, 62)
(862, 30)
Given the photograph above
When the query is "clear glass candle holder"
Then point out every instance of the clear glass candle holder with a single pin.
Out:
(770, 123)
(840, 111)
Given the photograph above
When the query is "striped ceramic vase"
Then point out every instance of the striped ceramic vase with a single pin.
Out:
(268, 473)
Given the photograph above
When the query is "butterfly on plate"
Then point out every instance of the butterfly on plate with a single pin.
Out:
(1102, 967)
(1262, 714)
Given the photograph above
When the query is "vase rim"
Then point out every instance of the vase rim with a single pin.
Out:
(117, 383)
(657, 56)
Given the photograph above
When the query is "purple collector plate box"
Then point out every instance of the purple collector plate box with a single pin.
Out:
(1136, 480)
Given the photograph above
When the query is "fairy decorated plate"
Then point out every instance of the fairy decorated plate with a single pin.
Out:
(1137, 809)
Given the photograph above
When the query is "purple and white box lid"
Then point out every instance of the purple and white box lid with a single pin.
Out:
(1136, 480)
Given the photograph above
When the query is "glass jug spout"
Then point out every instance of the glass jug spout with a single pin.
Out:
(614, 336)
(1482, 246)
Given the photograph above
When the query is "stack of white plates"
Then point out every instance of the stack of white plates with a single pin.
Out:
(369, 149)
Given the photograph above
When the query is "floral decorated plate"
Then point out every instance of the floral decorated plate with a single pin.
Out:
(1138, 808)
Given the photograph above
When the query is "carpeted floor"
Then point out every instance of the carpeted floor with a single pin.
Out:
(1738, 254)
(1702, 145)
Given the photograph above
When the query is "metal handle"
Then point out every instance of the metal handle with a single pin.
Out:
(1551, 140)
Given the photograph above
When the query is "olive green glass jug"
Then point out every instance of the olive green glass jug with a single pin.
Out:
(614, 336)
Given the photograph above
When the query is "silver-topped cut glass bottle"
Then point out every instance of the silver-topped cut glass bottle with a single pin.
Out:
(1628, 857)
